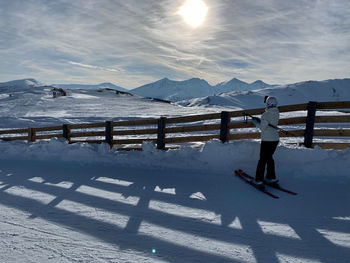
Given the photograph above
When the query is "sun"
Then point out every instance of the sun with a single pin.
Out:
(193, 12)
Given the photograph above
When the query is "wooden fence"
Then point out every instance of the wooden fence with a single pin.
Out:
(225, 126)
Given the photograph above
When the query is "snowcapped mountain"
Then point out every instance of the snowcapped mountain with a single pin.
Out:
(194, 92)
(192, 88)
(232, 85)
(238, 85)
(165, 89)
(327, 90)
(105, 85)
(259, 84)
(175, 90)
(30, 83)
(21, 84)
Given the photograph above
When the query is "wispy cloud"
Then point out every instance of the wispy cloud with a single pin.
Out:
(93, 67)
(133, 42)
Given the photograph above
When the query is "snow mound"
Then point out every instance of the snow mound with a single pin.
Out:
(212, 156)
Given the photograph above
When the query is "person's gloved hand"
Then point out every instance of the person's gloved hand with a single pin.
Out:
(257, 119)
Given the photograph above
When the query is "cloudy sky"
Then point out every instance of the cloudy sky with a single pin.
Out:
(134, 42)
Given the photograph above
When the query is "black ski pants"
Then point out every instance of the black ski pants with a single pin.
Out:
(267, 149)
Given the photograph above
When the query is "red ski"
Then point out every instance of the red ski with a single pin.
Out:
(250, 181)
(271, 185)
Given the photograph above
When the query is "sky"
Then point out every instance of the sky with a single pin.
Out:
(135, 42)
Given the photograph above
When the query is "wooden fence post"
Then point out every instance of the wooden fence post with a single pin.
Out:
(66, 132)
(31, 134)
(109, 133)
(161, 133)
(224, 131)
(310, 123)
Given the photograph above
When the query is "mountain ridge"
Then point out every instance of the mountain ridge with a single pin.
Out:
(198, 92)
(296, 93)
(103, 85)
(164, 88)
(180, 90)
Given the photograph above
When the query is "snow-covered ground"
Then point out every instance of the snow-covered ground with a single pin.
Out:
(24, 105)
(85, 203)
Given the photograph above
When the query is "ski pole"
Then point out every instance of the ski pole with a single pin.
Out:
(271, 125)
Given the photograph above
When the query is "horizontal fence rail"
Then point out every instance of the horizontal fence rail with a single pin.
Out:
(224, 126)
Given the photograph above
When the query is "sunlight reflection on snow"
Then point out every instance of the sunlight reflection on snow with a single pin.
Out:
(94, 213)
(238, 252)
(165, 190)
(292, 259)
(113, 181)
(183, 211)
(130, 200)
(198, 195)
(36, 180)
(345, 218)
(64, 184)
(236, 224)
(30, 194)
(82, 96)
(278, 229)
(337, 238)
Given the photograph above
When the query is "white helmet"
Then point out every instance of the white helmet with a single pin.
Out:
(271, 102)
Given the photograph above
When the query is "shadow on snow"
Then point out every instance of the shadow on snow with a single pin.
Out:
(225, 196)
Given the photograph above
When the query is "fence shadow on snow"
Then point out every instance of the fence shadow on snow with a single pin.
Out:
(136, 214)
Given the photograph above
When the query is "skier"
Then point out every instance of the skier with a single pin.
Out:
(269, 142)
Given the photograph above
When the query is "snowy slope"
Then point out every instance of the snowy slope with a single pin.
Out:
(89, 86)
(26, 103)
(328, 90)
(19, 85)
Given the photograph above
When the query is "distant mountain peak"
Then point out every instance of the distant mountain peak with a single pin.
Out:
(197, 80)
(175, 90)
(192, 88)
(301, 92)
(21, 84)
(258, 82)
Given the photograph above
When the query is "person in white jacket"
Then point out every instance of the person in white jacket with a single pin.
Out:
(269, 142)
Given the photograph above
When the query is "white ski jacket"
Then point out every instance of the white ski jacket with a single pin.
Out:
(270, 116)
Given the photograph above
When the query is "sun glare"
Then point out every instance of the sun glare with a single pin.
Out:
(193, 12)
